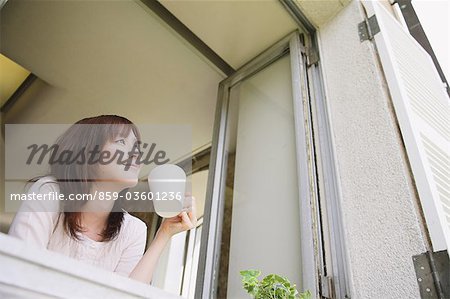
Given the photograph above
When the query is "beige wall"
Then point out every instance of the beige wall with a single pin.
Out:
(105, 57)
(98, 57)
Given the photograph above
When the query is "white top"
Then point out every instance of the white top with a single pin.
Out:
(35, 223)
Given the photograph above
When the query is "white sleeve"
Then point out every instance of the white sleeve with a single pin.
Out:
(134, 250)
(35, 220)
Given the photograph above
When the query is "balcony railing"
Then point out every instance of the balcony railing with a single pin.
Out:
(31, 272)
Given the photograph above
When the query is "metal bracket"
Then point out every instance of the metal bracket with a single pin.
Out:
(313, 56)
(326, 287)
(368, 28)
(433, 274)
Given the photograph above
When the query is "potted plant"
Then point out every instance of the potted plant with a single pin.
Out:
(270, 287)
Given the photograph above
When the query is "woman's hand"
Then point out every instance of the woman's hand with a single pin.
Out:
(169, 227)
(186, 220)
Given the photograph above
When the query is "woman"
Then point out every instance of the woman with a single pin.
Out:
(98, 232)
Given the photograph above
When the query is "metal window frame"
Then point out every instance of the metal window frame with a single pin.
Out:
(186, 279)
(341, 279)
(211, 237)
(340, 274)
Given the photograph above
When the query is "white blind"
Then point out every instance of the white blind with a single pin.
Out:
(423, 109)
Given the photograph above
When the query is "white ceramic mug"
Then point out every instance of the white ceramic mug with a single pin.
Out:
(167, 184)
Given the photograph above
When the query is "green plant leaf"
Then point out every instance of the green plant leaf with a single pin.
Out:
(272, 286)
(250, 273)
(306, 295)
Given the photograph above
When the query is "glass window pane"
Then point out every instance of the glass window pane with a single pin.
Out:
(261, 227)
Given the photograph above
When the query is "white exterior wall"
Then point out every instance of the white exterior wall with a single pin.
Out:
(381, 215)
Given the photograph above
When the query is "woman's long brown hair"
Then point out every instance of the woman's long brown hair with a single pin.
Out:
(77, 178)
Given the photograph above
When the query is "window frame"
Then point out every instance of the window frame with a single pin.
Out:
(311, 228)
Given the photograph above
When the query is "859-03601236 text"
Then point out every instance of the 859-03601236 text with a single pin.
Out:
(97, 195)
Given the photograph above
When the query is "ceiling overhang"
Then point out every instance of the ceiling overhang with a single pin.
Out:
(320, 12)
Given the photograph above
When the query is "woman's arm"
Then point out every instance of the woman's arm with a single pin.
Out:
(169, 227)
(146, 266)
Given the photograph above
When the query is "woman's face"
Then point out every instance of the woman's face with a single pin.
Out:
(123, 175)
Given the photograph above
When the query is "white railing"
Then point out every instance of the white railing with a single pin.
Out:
(31, 272)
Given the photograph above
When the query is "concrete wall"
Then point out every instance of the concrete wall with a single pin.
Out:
(381, 212)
